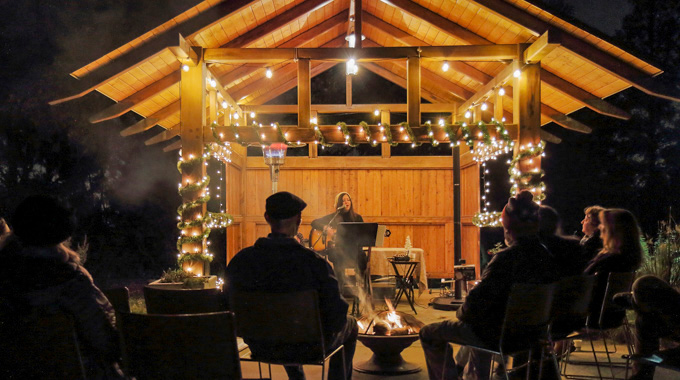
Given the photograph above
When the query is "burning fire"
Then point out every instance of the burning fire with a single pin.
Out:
(386, 323)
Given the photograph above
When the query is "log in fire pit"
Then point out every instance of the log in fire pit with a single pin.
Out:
(387, 334)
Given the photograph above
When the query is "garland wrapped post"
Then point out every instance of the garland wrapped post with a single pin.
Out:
(367, 132)
(411, 135)
(531, 181)
(348, 136)
(387, 134)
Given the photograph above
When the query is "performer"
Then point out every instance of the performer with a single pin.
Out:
(343, 255)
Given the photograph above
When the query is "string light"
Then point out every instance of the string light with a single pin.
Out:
(185, 68)
(376, 112)
(468, 114)
(517, 73)
(484, 106)
(213, 83)
(268, 73)
(445, 66)
(501, 91)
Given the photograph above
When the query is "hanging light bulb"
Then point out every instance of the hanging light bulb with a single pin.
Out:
(484, 106)
(376, 112)
(236, 116)
(185, 67)
(517, 73)
(252, 115)
(445, 66)
(468, 114)
(213, 83)
(501, 91)
(225, 104)
(268, 73)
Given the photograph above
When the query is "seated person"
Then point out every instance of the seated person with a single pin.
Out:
(480, 318)
(46, 274)
(278, 263)
(567, 250)
(657, 306)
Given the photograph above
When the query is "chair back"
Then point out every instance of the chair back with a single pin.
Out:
(180, 346)
(40, 345)
(571, 303)
(527, 316)
(282, 321)
(119, 298)
(617, 282)
(184, 301)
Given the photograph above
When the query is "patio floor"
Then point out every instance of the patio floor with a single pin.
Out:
(414, 353)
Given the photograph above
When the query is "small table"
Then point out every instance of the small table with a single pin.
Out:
(405, 282)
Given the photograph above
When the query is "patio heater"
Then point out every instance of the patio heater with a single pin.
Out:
(274, 155)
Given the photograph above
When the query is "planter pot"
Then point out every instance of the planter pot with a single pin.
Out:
(211, 283)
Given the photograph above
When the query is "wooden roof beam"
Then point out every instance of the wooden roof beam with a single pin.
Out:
(300, 39)
(225, 95)
(497, 81)
(438, 21)
(137, 56)
(603, 60)
(401, 82)
(559, 118)
(407, 39)
(164, 136)
(276, 23)
(289, 84)
(342, 108)
(581, 96)
(135, 99)
(148, 122)
(540, 48)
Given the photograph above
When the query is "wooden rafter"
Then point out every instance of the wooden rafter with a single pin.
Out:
(409, 40)
(135, 57)
(540, 48)
(342, 108)
(483, 92)
(613, 65)
(400, 81)
(164, 136)
(150, 121)
(290, 84)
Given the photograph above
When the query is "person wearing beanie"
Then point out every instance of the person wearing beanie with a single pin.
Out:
(280, 264)
(343, 254)
(480, 318)
(46, 275)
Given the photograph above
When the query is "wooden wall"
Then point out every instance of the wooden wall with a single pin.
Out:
(413, 196)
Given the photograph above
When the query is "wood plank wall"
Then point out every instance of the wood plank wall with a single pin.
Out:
(413, 196)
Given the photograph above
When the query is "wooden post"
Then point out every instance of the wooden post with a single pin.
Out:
(498, 106)
(192, 120)
(304, 92)
(348, 90)
(313, 147)
(386, 151)
(527, 114)
(357, 24)
(212, 106)
(413, 91)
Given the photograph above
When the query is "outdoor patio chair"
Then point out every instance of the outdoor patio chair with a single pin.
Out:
(525, 325)
(40, 345)
(181, 301)
(283, 320)
(616, 283)
(180, 346)
(119, 298)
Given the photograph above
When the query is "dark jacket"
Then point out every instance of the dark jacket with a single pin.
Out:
(279, 264)
(601, 265)
(526, 261)
(592, 245)
(568, 252)
(47, 278)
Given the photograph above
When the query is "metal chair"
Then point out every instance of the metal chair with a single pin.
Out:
(119, 298)
(616, 283)
(180, 346)
(286, 327)
(181, 301)
(40, 345)
(525, 325)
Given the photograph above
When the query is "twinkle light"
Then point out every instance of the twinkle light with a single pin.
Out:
(213, 83)
(376, 112)
(501, 91)
(468, 114)
(225, 104)
(441, 122)
(236, 115)
(185, 68)
(517, 73)
(268, 73)
(484, 106)
(445, 66)
(252, 115)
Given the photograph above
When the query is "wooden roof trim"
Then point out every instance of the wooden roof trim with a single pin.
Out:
(135, 99)
(407, 39)
(563, 120)
(615, 66)
(300, 39)
(549, 137)
(582, 96)
(438, 21)
(120, 63)
(174, 146)
(538, 49)
(275, 23)
(401, 82)
(164, 136)
(343, 108)
(148, 122)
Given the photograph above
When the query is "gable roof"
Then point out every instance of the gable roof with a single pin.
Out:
(143, 75)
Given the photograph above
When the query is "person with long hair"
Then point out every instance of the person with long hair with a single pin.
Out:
(621, 252)
(591, 241)
(343, 255)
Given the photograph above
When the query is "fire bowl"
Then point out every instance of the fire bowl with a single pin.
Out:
(386, 359)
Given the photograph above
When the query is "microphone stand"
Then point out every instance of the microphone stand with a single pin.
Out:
(323, 233)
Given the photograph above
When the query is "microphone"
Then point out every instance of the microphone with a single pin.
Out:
(340, 208)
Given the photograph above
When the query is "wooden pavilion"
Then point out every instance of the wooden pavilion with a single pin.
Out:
(197, 75)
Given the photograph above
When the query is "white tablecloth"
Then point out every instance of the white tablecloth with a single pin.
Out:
(381, 267)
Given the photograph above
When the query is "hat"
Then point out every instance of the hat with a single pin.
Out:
(520, 215)
(40, 220)
(284, 205)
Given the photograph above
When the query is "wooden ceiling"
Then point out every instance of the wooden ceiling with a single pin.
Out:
(143, 75)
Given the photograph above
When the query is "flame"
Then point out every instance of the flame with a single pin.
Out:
(361, 325)
(392, 317)
(389, 305)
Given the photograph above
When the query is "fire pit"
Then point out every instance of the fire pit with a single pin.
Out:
(387, 334)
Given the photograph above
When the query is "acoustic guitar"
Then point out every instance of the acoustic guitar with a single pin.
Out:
(319, 241)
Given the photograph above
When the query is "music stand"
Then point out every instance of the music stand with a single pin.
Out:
(354, 236)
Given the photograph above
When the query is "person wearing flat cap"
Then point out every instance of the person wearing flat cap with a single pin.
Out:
(480, 318)
(280, 264)
(44, 274)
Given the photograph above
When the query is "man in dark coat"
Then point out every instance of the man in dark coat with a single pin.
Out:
(480, 318)
(279, 264)
(567, 250)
